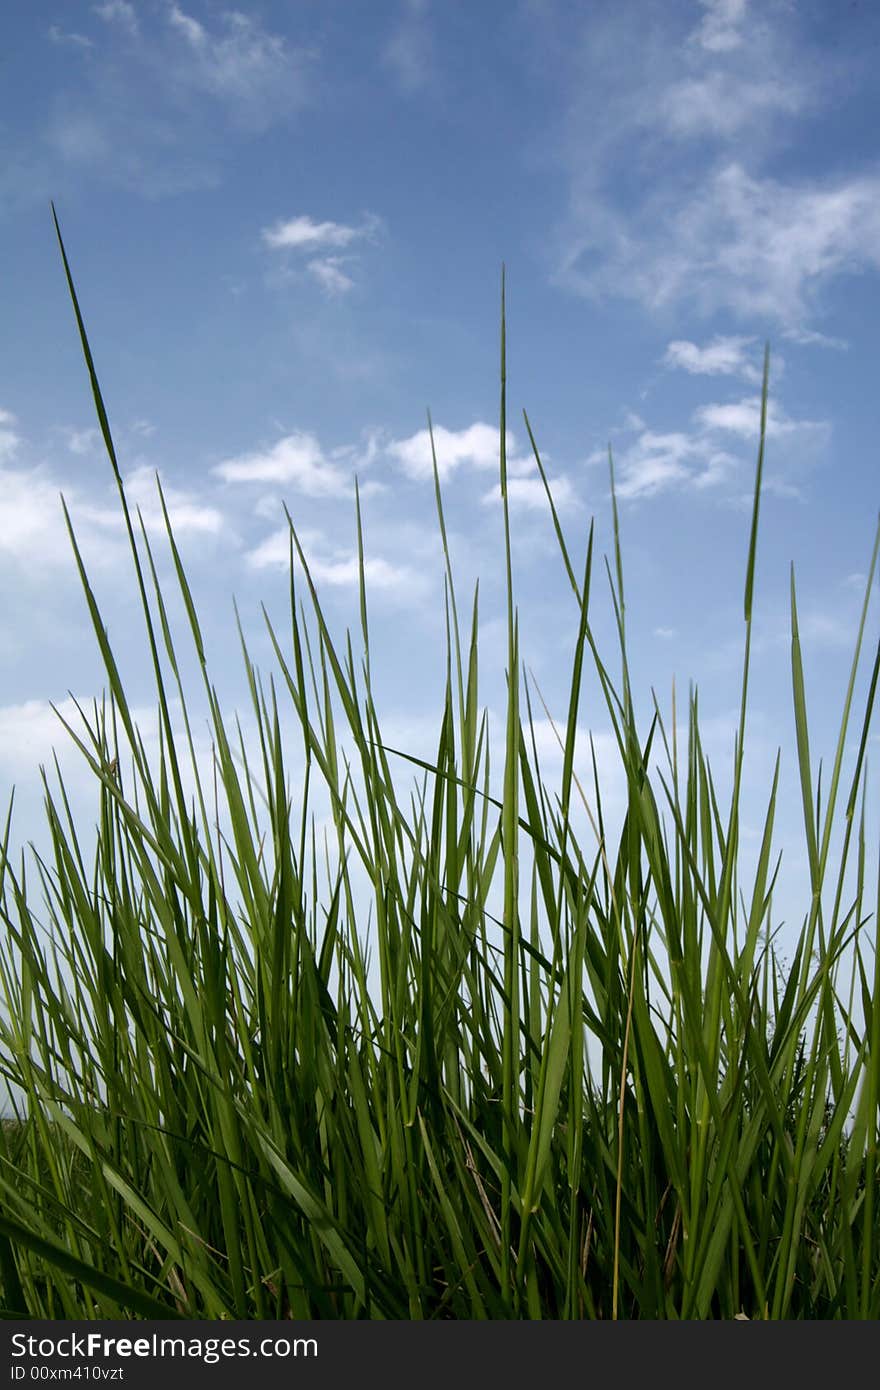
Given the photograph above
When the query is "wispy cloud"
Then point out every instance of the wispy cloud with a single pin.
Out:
(808, 337)
(184, 90)
(408, 51)
(82, 442)
(78, 137)
(759, 247)
(336, 567)
(250, 69)
(720, 104)
(297, 460)
(712, 230)
(823, 629)
(362, 456)
(70, 38)
(119, 13)
(700, 459)
(721, 28)
(303, 234)
(721, 357)
(656, 462)
(329, 274)
(192, 31)
(8, 437)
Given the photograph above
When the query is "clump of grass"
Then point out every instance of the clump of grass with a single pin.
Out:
(608, 1103)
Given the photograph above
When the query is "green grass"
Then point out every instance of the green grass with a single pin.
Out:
(608, 1101)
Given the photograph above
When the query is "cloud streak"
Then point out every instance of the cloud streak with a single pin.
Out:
(70, 38)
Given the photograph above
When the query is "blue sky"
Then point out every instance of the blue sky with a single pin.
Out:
(287, 223)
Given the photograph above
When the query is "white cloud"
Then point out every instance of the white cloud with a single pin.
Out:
(632, 421)
(34, 532)
(379, 574)
(610, 770)
(856, 580)
(74, 40)
(743, 418)
(408, 51)
(720, 28)
(9, 440)
(694, 459)
(779, 487)
(337, 568)
(245, 65)
(530, 494)
(30, 730)
(304, 234)
(191, 30)
(274, 551)
(654, 462)
(118, 12)
(83, 441)
(825, 629)
(808, 337)
(717, 467)
(721, 104)
(819, 627)
(79, 138)
(186, 511)
(362, 456)
(477, 447)
(755, 246)
(704, 226)
(326, 270)
(776, 240)
(87, 441)
(296, 459)
(180, 88)
(721, 357)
